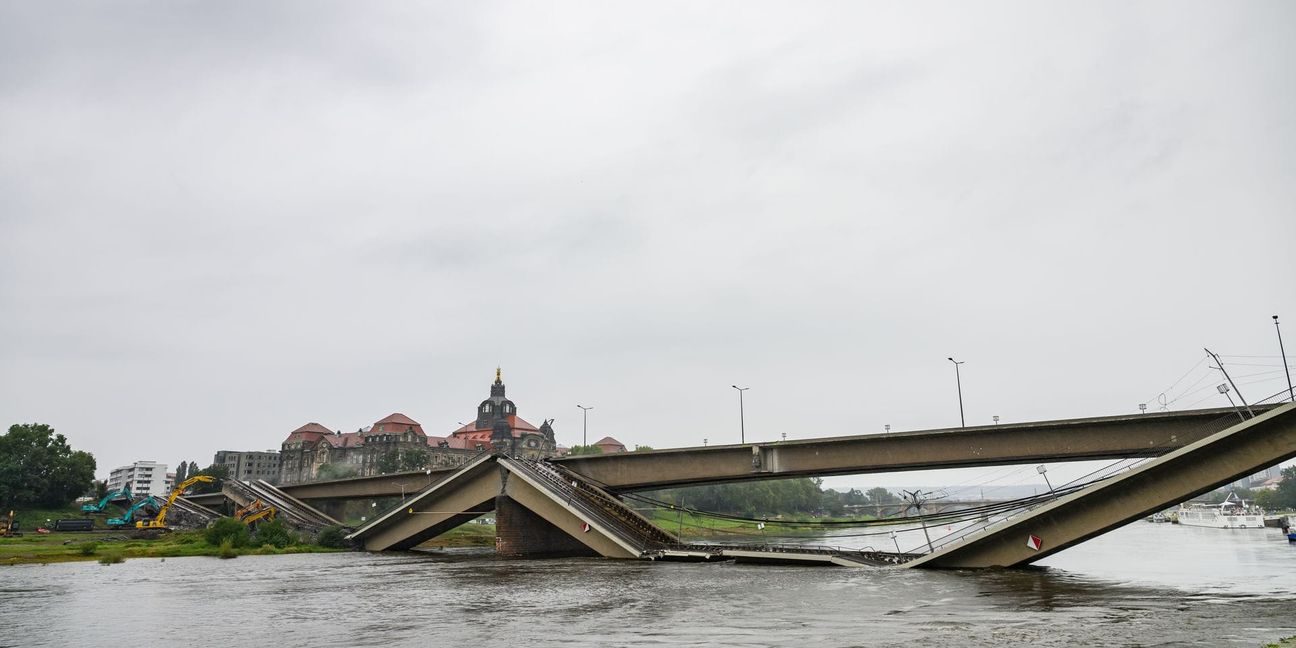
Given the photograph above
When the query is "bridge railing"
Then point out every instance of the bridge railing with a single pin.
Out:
(615, 506)
(609, 514)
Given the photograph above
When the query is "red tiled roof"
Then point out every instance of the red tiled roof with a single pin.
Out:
(399, 423)
(308, 432)
(398, 419)
(348, 440)
(517, 424)
(608, 444)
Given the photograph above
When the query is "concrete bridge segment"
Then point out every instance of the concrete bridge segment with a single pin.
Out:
(1197, 468)
(1107, 437)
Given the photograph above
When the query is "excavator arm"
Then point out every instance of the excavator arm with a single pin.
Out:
(159, 522)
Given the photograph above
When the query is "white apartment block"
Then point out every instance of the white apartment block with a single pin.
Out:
(143, 478)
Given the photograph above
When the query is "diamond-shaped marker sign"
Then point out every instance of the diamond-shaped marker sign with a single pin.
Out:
(1034, 542)
(585, 527)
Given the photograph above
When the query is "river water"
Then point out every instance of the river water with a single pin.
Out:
(1142, 585)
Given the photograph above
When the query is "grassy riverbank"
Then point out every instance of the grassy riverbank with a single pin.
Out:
(29, 519)
(113, 546)
(466, 535)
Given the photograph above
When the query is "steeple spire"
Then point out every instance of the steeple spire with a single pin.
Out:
(497, 387)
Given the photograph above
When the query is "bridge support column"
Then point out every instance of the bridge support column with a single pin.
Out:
(519, 533)
(335, 509)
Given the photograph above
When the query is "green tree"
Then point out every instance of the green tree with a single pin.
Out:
(878, 495)
(643, 448)
(832, 502)
(100, 489)
(181, 473)
(39, 468)
(226, 528)
(332, 537)
(585, 450)
(770, 497)
(1284, 497)
(414, 459)
(221, 473)
(388, 462)
(854, 497)
(273, 532)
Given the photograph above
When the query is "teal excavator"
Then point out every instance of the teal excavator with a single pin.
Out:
(119, 494)
(129, 515)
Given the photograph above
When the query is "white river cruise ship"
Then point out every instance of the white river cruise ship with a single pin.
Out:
(1233, 513)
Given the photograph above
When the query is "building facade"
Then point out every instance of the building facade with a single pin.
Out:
(250, 465)
(141, 478)
(398, 443)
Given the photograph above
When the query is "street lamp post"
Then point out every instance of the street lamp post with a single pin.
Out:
(1290, 392)
(585, 424)
(1230, 382)
(1044, 473)
(742, 423)
(1224, 389)
(959, 381)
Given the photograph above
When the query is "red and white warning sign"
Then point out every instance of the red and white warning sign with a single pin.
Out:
(1034, 542)
(585, 527)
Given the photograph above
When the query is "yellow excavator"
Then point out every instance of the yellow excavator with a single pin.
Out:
(159, 522)
(255, 512)
(9, 526)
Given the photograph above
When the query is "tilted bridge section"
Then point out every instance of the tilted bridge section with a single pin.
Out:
(289, 509)
(544, 510)
(1200, 467)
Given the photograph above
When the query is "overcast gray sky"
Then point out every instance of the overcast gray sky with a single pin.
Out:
(222, 220)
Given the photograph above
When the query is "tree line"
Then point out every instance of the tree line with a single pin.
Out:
(800, 496)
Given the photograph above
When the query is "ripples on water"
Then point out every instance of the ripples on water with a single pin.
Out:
(1133, 587)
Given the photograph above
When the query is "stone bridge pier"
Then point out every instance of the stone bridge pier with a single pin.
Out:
(519, 533)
